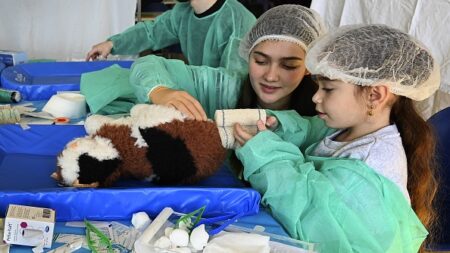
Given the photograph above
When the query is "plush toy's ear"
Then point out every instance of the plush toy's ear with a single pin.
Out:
(171, 160)
(56, 176)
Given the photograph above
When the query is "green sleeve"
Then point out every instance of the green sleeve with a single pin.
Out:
(341, 205)
(230, 58)
(299, 130)
(214, 88)
(107, 91)
(154, 35)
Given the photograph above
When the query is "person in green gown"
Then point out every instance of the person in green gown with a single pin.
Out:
(358, 177)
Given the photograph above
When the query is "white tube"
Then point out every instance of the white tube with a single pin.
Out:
(156, 224)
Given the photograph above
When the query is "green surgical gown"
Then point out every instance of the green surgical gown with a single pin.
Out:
(342, 205)
(214, 88)
(212, 40)
(108, 91)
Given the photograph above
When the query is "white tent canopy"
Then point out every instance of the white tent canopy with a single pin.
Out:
(426, 20)
(61, 29)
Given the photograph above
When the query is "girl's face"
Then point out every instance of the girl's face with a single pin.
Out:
(276, 68)
(339, 105)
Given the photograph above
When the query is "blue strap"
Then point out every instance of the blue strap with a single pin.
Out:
(224, 221)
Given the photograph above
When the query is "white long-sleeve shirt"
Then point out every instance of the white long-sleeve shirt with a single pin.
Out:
(382, 150)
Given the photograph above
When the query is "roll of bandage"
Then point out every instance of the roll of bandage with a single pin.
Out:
(69, 105)
(9, 96)
(247, 118)
(9, 116)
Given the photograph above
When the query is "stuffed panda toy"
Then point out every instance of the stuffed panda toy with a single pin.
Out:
(155, 142)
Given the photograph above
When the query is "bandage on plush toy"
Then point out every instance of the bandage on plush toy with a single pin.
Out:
(247, 118)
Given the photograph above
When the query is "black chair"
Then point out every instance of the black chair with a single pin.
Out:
(441, 124)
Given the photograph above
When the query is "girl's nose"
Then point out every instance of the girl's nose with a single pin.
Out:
(271, 74)
(317, 98)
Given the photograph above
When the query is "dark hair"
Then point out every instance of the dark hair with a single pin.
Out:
(419, 143)
(301, 99)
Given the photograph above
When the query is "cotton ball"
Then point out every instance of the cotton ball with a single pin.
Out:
(163, 242)
(185, 225)
(199, 237)
(140, 220)
(168, 231)
(179, 237)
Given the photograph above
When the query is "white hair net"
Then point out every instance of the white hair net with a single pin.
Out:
(375, 54)
(288, 22)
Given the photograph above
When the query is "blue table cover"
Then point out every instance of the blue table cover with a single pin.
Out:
(41, 80)
(28, 157)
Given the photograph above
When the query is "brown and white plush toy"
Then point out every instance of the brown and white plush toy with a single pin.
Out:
(155, 142)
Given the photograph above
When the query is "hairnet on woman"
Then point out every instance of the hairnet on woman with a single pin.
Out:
(275, 50)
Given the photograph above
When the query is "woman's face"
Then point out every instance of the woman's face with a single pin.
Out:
(276, 68)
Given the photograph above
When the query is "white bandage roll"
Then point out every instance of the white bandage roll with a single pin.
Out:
(247, 118)
(227, 136)
(70, 105)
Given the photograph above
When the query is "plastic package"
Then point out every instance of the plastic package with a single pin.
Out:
(277, 243)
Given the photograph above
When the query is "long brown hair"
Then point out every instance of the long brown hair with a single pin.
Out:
(419, 143)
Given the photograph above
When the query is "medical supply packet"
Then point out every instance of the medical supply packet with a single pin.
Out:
(11, 58)
(29, 226)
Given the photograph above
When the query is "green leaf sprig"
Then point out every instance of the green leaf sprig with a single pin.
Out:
(186, 219)
(97, 241)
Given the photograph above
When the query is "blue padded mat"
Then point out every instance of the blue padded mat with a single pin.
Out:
(41, 80)
(28, 157)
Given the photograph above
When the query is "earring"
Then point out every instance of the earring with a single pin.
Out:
(370, 111)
